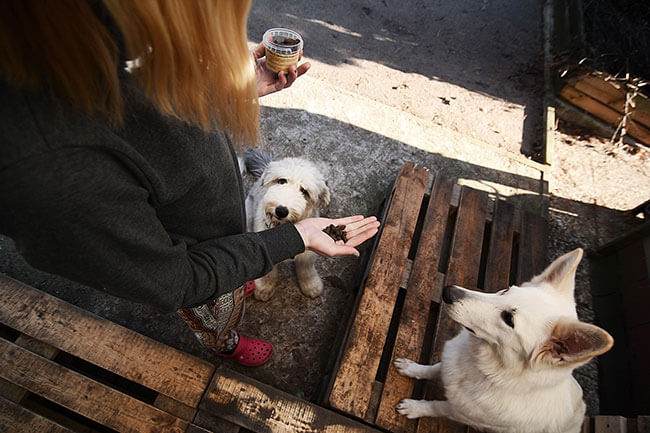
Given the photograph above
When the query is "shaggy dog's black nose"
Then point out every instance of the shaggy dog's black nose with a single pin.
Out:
(281, 212)
(451, 294)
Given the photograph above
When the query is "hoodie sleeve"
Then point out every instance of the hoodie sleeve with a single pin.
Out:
(80, 213)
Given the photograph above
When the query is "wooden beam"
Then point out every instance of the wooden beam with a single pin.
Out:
(82, 395)
(263, 408)
(497, 270)
(533, 240)
(15, 393)
(463, 270)
(610, 424)
(120, 350)
(17, 419)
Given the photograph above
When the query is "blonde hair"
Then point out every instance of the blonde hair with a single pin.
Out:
(193, 60)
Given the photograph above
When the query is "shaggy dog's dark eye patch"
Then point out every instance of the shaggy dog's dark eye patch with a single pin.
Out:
(305, 193)
(281, 181)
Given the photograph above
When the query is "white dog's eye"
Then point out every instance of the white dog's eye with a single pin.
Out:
(507, 317)
(304, 192)
(281, 181)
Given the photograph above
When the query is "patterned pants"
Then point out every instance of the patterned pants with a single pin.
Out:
(214, 323)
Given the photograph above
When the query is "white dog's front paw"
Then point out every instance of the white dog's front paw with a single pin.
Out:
(413, 408)
(311, 287)
(406, 367)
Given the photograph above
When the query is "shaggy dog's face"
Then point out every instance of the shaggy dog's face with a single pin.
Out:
(293, 189)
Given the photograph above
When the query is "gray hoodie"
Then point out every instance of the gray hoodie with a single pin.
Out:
(152, 211)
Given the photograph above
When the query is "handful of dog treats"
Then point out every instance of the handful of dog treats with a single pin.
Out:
(336, 232)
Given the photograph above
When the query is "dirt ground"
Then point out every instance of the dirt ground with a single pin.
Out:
(473, 67)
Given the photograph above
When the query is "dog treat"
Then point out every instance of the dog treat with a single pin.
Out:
(336, 232)
(286, 41)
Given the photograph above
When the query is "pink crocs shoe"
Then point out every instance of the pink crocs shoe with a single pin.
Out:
(250, 352)
(250, 288)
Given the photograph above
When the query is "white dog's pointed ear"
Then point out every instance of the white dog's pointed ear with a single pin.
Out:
(561, 273)
(573, 342)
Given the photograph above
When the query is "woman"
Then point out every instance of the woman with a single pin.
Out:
(129, 182)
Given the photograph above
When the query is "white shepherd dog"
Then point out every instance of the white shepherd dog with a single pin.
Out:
(289, 189)
(509, 369)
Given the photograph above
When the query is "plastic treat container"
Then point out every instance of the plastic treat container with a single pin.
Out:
(283, 48)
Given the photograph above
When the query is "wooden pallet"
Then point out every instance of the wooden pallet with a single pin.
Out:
(606, 100)
(66, 368)
(63, 369)
(435, 233)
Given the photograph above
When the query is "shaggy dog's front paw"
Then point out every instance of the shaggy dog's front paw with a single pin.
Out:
(406, 367)
(413, 408)
(263, 290)
(311, 287)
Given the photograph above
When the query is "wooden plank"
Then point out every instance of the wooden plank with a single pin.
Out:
(610, 424)
(638, 355)
(174, 407)
(604, 112)
(81, 394)
(465, 257)
(373, 405)
(463, 270)
(214, 423)
(643, 424)
(262, 408)
(419, 294)
(352, 386)
(533, 238)
(587, 425)
(131, 355)
(17, 419)
(15, 393)
(497, 270)
(610, 90)
(193, 428)
(617, 104)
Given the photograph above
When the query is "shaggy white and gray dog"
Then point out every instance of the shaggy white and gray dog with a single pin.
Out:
(289, 189)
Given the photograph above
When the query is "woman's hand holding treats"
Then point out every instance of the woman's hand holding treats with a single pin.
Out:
(357, 228)
(269, 81)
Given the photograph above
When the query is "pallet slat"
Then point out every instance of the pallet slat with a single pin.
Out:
(497, 271)
(533, 234)
(419, 294)
(352, 386)
(463, 270)
(262, 408)
(15, 393)
(106, 344)
(17, 419)
(81, 394)
(610, 424)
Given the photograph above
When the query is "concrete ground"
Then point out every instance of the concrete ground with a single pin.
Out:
(453, 86)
